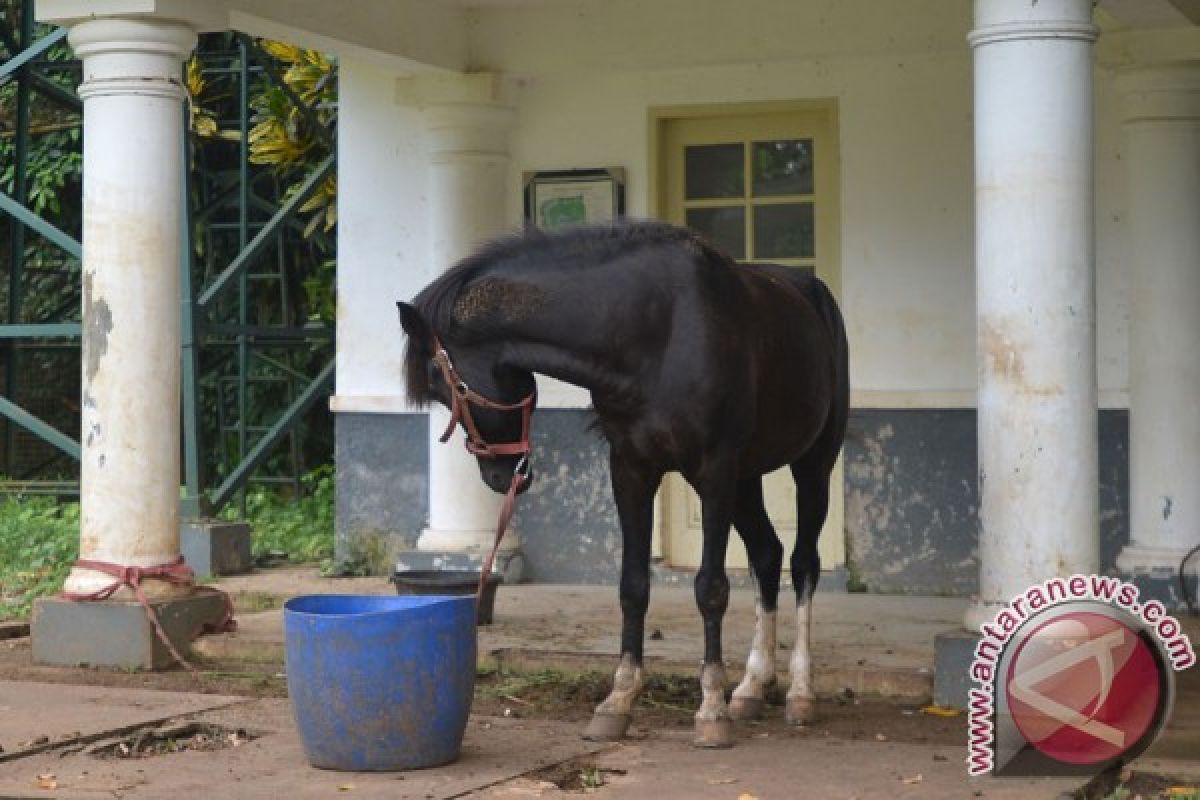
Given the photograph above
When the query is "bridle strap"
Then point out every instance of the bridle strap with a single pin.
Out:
(463, 397)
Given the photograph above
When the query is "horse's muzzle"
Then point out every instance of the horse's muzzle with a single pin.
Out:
(498, 475)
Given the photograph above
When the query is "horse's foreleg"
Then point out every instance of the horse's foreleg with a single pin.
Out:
(766, 560)
(812, 497)
(633, 491)
(714, 727)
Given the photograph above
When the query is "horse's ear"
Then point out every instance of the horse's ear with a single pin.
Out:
(411, 321)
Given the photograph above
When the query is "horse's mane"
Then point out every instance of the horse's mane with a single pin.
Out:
(531, 250)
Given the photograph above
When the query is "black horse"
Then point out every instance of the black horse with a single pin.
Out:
(721, 372)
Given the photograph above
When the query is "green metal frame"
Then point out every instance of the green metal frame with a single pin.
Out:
(250, 344)
(23, 67)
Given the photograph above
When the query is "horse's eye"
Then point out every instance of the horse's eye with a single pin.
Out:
(434, 372)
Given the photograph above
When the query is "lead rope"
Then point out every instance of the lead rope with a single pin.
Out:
(506, 512)
(176, 572)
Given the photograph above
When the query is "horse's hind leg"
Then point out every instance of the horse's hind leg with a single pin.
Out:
(766, 561)
(633, 491)
(812, 502)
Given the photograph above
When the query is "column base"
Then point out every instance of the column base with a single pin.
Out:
(1139, 558)
(1155, 572)
(213, 548)
(510, 564)
(118, 634)
(980, 613)
(953, 652)
(435, 540)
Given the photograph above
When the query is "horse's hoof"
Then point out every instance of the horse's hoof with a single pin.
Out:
(714, 733)
(607, 727)
(800, 710)
(745, 708)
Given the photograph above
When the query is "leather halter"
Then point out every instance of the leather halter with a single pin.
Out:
(462, 397)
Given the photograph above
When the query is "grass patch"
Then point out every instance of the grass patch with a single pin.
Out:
(300, 527)
(39, 540)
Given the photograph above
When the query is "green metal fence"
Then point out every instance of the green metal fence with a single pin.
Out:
(255, 364)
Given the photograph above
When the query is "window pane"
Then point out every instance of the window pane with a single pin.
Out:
(724, 227)
(713, 170)
(783, 231)
(783, 167)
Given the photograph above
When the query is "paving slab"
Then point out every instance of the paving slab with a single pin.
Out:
(61, 713)
(272, 766)
(666, 767)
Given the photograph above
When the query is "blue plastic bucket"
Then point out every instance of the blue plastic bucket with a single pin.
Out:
(380, 683)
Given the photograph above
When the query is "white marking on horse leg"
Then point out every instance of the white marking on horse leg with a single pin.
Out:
(760, 664)
(800, 693)
(627, 685)
(800, 666)
(712, 693)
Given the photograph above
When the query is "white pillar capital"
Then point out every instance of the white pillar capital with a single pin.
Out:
(139, 56)
(1005, 21)
(468, 130)
(1160, 92)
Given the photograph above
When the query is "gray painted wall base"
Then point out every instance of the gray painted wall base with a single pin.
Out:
(213, 548)
(382, 487)
(953, 652)
(911, 497)
(118, 634)
(510, 566)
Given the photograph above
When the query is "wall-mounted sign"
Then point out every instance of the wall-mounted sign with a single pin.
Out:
(574, 197)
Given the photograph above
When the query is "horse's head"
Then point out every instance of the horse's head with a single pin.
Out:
(491, 401)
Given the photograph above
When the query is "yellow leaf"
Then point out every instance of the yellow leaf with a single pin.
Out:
(941, 711)
(195, 77)
(1183, 791)
(281, 50)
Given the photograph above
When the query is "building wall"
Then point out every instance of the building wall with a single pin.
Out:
(584, 79)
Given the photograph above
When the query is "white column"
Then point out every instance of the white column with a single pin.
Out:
(1035, 294)
(468, 151)
(1162, 129)
(132, 124)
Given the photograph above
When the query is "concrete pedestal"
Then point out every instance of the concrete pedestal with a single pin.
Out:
(118, 634)
(213, 548)
(953, 652)
(510, 564)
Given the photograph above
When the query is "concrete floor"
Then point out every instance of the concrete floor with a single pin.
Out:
(867, 643)
(871, 644)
